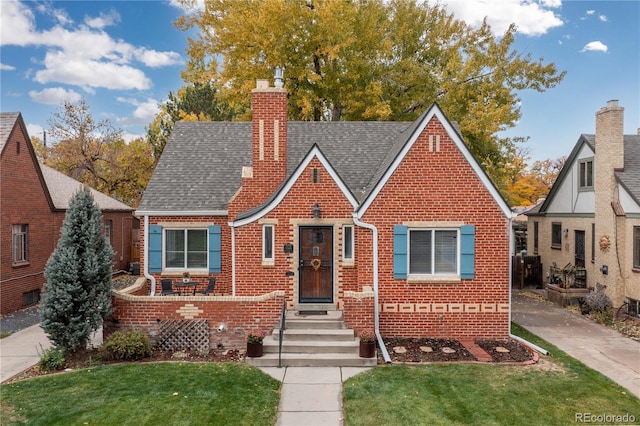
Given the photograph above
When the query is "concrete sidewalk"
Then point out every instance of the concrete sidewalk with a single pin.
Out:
(311, 395)
(597, 346)
(22, 349)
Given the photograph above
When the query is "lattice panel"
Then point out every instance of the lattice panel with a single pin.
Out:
(184, 335)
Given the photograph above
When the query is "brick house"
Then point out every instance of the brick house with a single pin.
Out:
(393, 224)
(33, 202)
(590, 219)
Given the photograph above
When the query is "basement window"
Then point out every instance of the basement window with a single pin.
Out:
(633, 307)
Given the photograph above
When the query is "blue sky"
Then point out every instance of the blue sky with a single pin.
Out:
(125, 56)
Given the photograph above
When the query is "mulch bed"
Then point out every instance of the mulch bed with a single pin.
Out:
(425, 350)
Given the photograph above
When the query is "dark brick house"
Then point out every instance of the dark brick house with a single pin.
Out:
(33, 203)
(394, 224)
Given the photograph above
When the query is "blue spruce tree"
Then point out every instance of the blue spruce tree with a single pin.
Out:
(77, 296)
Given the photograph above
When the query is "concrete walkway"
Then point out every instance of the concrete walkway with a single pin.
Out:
(21, 350)
(600, 348)
(311, 395)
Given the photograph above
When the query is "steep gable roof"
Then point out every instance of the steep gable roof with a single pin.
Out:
(7, 121)
(62, 188)
(629, 177)
(201, 166)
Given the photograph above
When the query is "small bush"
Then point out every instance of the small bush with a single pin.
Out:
(52, 359)
(598, 301)
(126, 345)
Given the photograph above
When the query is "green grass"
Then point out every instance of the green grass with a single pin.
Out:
(3, 335)
(145, 394)
(484, 394)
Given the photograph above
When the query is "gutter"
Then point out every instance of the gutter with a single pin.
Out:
(233, 258)
(376, 313)
(511, 253)
(145, 256)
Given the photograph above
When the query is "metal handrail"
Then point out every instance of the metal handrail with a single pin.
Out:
(281, 332)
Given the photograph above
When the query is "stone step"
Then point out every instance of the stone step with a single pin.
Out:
(305, 323)
(312, 360)
(328, 316)
(311, 307)
(306, 334)
(272, 345)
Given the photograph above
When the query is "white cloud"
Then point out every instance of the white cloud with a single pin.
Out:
(35, 130)
(128, 137)
(531, 18)
(590, 12)
(63, 68)
(54, 96)
(603, 18)
(154, 59)
(196, 5)
(144, 113)
(85, 55)
(5, 67)
(103, 20)
(595, 46)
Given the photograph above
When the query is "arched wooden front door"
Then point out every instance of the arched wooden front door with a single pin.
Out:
(316, 264)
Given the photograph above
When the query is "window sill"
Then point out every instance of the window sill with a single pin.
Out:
(20, 264)
(348, 263)
(268, 264)
(434, 279)
(636, 270)
(556, 247)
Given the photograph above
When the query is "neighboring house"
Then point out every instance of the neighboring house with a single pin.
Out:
(590, 221)
(394, 224)
(33, 203)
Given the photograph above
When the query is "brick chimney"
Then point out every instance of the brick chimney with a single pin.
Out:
(610, 135)
(269, 126)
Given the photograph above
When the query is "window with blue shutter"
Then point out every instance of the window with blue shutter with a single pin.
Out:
(214, 249)
(400, 252)
(155, 248)
(467, 252)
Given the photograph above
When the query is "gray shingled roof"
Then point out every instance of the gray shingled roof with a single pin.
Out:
(62, 188)
(630, 176)
(7, 121)
(200, 168)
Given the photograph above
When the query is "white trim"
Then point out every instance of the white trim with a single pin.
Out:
(351, 246)
(183, 268)
(457, 140)
(313, 153)
(181, 213)
(426, 276)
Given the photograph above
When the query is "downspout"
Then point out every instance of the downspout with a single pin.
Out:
(511, 253)
(233, 258)
(376, 320)
(145, 255)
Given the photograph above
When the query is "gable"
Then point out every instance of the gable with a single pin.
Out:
(564, 196)
(435, 134)
(315, 154)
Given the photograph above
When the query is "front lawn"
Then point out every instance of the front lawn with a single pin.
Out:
(145, 394)
(553, 392)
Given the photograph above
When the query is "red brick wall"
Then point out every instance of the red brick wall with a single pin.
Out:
(240, 315)
(441, 186)
(24, 201)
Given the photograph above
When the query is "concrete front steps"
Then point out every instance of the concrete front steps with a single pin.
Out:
(313, 340)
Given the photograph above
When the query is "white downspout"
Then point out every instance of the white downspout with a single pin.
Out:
(233, 259)
(376, 314)
(511, 253)
(145, 256)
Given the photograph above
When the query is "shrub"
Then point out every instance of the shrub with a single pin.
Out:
(52, 359)
(598, 301)
(126, 345)
(255, 336)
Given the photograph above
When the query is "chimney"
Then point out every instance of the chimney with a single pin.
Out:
(610, 135)
(269, 127)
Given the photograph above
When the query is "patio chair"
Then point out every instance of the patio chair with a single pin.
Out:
(209, 289)
(167, 286)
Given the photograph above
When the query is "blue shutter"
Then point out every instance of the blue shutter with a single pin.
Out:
(400, 252)
(155, 248)
(214, 249)
(467, 251)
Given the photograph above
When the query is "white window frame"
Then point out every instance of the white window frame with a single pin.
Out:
(268, 245)
(348, 245)
(108, 230)
(20, 243)
(184, 267)
(424, 275)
